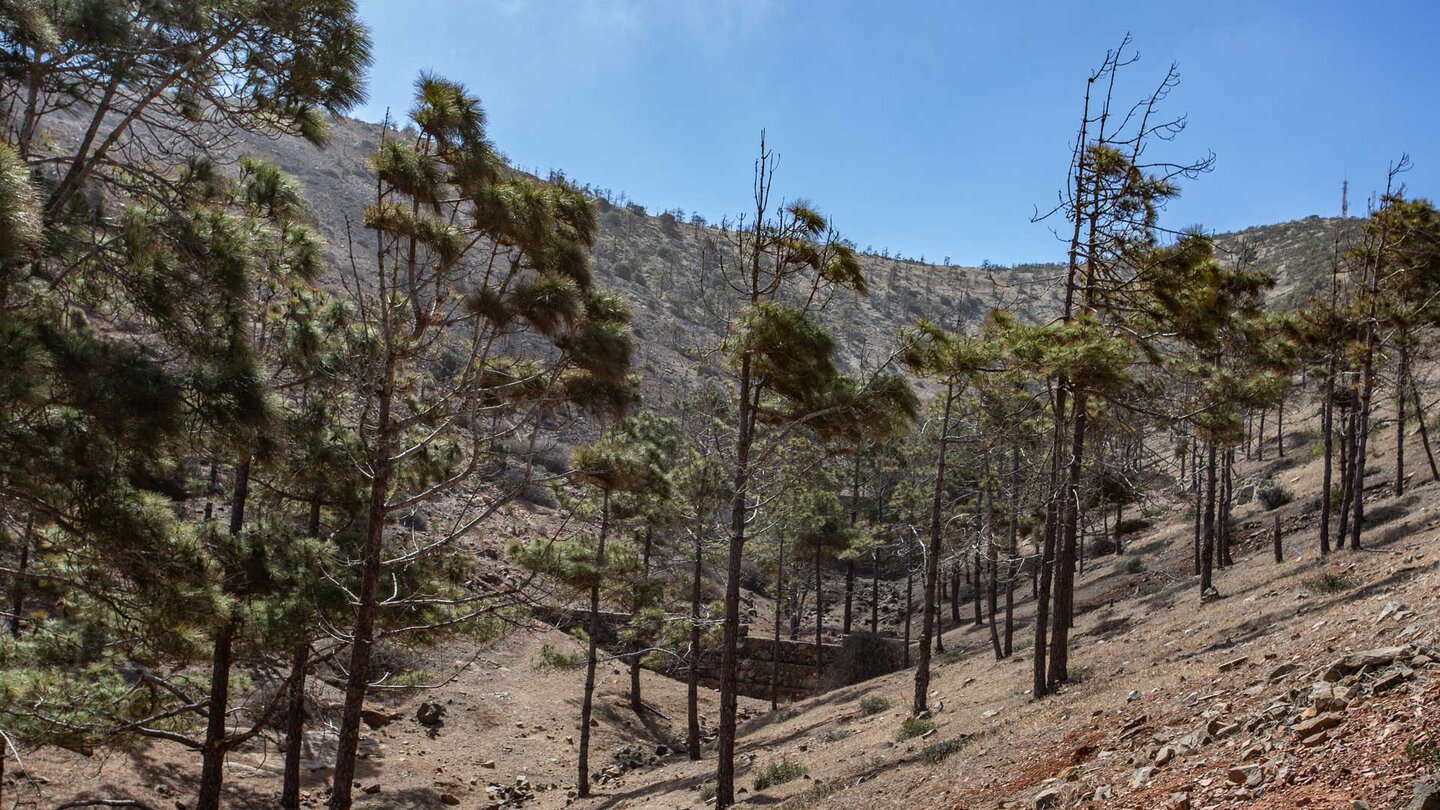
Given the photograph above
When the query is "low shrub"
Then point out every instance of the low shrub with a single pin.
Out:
(1134, 565)
(707, 792)
(1329, 583)
(835, 734)
(552, 657)
(935, 753)
(874, 705)
(914, 727)
(1274, 496)
(950, 656)
(778, 773)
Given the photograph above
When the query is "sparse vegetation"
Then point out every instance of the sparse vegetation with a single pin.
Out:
(1273, 495)
(874, 704)
(1424, 752)
(778, 773)
(914, 727)
(1330, 583)
(551, 657)
(253, 440)
(938, 752)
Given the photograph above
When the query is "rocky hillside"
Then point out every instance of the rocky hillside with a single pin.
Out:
(680, 306)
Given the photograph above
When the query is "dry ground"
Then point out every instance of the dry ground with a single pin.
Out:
(1144, 647)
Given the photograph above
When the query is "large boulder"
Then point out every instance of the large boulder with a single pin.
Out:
(1369, 659)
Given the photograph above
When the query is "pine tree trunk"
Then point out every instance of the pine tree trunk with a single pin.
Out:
(362, 639)
(875, 591)
(850, 563)
(975, 594)
(1012, 554)
(17, 597)
(1226, 523)
(587, 701)
(929, 621)
(1280, 427)
(1199, 495)
(730, 628)
(955, 575)
(1279, 549)
(775, 646)
(295, 700)
(1327, 428)
(1357, 467)
(1064, 598)
(1424, 431)
(212, 756)
(1260, 438)
(692, 671)
(1400, 385)
(1207, 554)
(909, 596)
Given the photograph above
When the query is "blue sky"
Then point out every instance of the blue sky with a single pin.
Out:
(931, 128)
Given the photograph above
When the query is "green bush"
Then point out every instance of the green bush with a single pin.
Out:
(1274, 496)
(833, 735)
(707, 792)
(938, 752)
(1134, 565)
(914, 727)
(1328, 583)
(778, 773)
(552, 657)
(874, 705)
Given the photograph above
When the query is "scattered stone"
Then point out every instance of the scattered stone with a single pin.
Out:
(1390, 609)
(1164, 755)
(1282, 670)
(1424, 796)
(1048, 798)
(375, 718)
(1180, 801)
(1369, 659)
(449, 798)
(1318, 723)
(1390, 680)
(1234, 663)
(1247, 775)
(430, 714)
(1142, 775)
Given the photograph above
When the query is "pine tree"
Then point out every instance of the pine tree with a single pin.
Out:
(465, 258)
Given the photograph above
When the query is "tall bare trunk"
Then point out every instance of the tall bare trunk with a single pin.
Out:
(295, 699)
(587, 700)
(929, 621)
(692, 670)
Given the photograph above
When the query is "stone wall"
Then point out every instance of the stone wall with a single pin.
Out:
(796, 677)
